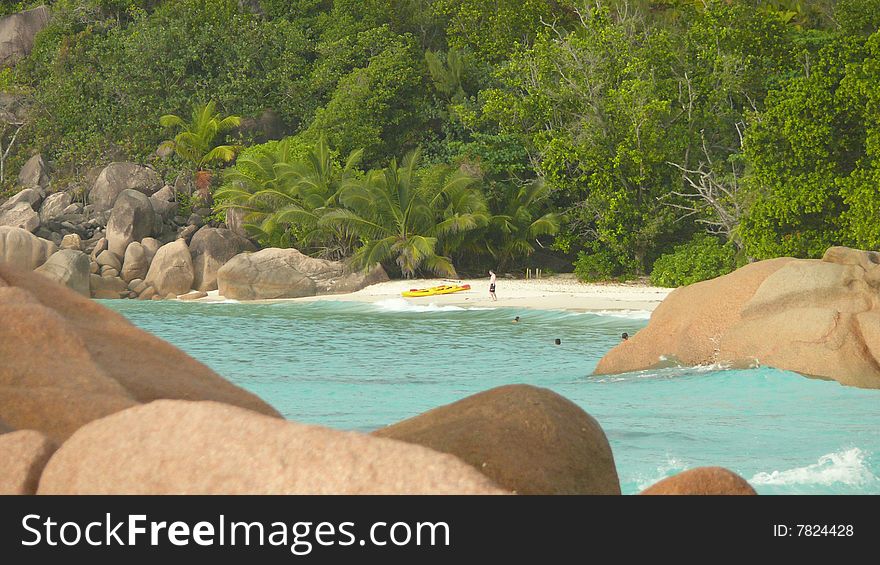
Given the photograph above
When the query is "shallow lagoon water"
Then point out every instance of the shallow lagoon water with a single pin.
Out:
(360, 366)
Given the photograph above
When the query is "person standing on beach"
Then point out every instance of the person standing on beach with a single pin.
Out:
(492, 285)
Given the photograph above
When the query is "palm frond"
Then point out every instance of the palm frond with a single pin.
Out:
(195, 141)
(503, 222)
(438, 265)
(255, 230)
(170, 120)
(516, 247)
(353, 159)
(353, 224)
(223, 153)
(548, 224)
(230, 196)
(377, 251)
(294, 214)
(270, 197)
(358, 198)
(458, 224)
(188, 139)
(228, 123)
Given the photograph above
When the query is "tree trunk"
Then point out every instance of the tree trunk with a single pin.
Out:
(203, 185)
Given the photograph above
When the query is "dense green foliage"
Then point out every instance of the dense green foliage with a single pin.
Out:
(399, 216)
(403, 217)
(195, 141)
(704, 257)
(623, 136)
(815, 154)
(100, 86)
(11, 7)
(285, 188)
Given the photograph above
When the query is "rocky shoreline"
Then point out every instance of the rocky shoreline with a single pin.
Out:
(130, 241)
(820, 318)
(91, 404)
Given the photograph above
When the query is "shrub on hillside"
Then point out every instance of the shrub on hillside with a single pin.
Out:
(703, 257)
(598, 266)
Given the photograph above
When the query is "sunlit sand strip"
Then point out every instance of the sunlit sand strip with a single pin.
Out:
(552, 293)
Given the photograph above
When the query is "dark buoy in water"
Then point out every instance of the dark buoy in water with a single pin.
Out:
(557, 341)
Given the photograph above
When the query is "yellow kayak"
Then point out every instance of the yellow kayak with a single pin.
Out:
(442, 289)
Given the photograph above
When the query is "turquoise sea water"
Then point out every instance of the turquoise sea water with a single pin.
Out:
(362, 366)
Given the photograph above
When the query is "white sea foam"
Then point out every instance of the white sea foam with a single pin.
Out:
(849, 467)
(711, 368)
(628, 314)
(402, 305)
(673, 466)
(608, 379)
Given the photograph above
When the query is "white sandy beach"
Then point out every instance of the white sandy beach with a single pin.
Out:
(558, 292)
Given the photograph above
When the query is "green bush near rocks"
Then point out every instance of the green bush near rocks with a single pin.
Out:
(703, 257)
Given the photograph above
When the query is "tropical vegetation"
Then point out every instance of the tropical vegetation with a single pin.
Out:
(675, 139)
(194, 144)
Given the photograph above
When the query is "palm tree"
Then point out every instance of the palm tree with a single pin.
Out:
(457, 191)
(195, 141)
(255, 186)
(448, 77)
(518, 225)
(284, 196)
(317, 181)
(398, 219)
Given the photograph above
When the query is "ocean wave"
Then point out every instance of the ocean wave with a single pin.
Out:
(848, 467)
(672, 466)
(711, 368)
(627, 314)
(674, 371)
(623, 314)
(402, 305)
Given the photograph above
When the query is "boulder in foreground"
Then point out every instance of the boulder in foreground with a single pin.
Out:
(67, 360)
(23, 454)
(819, 318)
(703, 481)
(179, 447)
(526, 439)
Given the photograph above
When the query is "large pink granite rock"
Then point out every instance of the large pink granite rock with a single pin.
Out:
(703, 481)
(66, 360)
(179, 447)
(23, 454)
(526, 439)
(818, 318)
